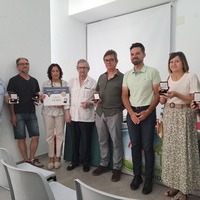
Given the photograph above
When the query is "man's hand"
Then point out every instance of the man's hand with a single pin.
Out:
(68, 116)
(13, 120)
(143, 115)
(134, 118)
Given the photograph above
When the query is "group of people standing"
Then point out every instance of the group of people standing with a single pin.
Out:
(138, 92)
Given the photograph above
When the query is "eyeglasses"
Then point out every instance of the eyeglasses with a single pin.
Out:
(83, 68)
(22, 64)
(110, 60)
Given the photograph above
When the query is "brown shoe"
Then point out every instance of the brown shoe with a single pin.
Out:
(180, 196)
(171, 192)
(116, 175)
(100, 170)
(36, 162)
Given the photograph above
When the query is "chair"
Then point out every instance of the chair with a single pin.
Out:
(28, 185)
(86, 192)
(4, 154)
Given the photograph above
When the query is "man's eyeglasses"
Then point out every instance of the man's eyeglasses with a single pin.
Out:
(21, 64)
(110, 60)
(83, 68)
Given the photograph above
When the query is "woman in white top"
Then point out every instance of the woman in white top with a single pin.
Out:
(54, 118)
(180, 164)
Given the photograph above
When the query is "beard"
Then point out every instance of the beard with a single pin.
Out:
(25, 71)
(136, 62)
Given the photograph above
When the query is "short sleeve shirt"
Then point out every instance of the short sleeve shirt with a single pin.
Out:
(188, 84)
(26, 90)
(141, 84)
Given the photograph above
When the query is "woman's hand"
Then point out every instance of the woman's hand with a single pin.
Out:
(163, 98)
(195, 105)
(42, 97)
(171, 94)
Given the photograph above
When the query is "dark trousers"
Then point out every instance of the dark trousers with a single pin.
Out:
(142, 138)
(81, 142)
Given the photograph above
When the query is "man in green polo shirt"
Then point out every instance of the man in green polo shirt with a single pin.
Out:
(140, 97)
(109, 116)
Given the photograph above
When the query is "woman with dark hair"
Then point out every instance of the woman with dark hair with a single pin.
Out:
(180, 164)
(54, 118)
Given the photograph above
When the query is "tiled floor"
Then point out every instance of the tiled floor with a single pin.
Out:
(103, 183)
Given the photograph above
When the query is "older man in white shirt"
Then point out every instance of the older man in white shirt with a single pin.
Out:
(81, 115)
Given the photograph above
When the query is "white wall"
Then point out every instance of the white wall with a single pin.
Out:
(24, 32)
(68, 38)
(27, 30)
(186, 34)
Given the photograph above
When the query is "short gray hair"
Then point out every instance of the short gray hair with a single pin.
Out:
(21, 58)
(83, 61)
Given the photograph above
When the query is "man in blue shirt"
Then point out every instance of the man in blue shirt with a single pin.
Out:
(3, 93)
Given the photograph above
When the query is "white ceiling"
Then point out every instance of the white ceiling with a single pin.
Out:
(116, 8)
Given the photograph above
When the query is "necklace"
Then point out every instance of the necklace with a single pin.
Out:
(176, 76)
(53, 85)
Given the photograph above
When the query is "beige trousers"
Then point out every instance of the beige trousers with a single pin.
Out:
(54, 127)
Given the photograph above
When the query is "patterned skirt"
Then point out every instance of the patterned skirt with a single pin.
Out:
(180, 163)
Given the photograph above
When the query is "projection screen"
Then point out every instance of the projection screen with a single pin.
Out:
(150, 27)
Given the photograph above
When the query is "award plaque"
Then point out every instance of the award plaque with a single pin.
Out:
(197, 96)
(164, 87)
(14, 99)
(96, 96)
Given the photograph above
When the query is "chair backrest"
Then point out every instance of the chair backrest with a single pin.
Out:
(9, 159)
(86, 192)
(27, 185)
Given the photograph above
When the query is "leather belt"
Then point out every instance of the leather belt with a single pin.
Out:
(140, 107)
(178, 106)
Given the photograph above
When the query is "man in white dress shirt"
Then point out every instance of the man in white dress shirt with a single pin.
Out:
(81, 115)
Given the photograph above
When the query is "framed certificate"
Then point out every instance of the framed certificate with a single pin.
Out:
(56, 96)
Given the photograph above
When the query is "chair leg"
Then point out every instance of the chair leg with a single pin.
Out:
(52, 178)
